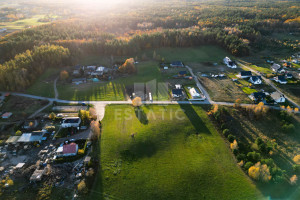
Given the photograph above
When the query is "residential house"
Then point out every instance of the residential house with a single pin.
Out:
(276, 68)
(280, 79)
(71, 122)
(182, 73)
(67, 150)
(78, 81)
(258, 96)
(256, 80)
(245, 74)
(194, 93)
(177, 64)
(177, 93)
(277, 97)
(289, 75)
(231, 64)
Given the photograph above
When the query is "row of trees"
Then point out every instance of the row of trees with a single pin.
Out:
(20, 72)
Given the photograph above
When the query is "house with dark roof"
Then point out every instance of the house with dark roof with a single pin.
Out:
(256, 80)
(176, 64)
(177, 93)
(258, 97)
(280, 79)
(182, 73)
(245, 74)
(289, 75)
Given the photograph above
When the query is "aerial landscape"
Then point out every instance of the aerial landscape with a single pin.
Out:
(152, 99)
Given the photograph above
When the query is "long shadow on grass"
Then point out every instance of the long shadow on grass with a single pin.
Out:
(194, 118)
(141, 115)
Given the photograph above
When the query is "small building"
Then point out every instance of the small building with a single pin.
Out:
(280, 79)
(256, 80)
(176, 64)
(178, 86)
(277, 97)
(87, 159)
(78, 81)
(19, 165)
(182, 73)
(12, 140)
(6, 115)
(165, 68)
(35, 136)
(70, 149)
(258, 96)
(71, 122)
(245, 74)
(177, 93)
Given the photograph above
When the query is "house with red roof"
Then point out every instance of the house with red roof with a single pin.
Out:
(70, 149)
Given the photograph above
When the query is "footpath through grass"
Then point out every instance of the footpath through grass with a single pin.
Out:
(175, 153)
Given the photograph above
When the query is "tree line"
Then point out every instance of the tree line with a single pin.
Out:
(21, 71)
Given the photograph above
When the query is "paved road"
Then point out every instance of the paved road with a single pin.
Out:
(55, 89)
(269, 82)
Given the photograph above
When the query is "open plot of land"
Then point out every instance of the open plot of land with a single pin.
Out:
(174, 154)
(21, 107)
(292, 91)
(43, 86)
(223, 89)
(116, 89)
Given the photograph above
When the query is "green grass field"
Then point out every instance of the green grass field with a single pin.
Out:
(23, 23)
(115, 90)
(43, 86)
(173, 155)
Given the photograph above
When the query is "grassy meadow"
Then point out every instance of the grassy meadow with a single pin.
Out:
(175, 153)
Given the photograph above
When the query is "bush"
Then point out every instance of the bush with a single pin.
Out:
(18, 133)
(253, 157)
(296, 168)
(223, 127)
(226, 132)
(231, 138)
(289, 128)
(296, 159)
(268, 161)
(248, 165)
(241, 156)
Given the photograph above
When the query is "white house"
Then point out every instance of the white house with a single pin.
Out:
(231, 64)
(71, 122)
(193, 92)
(256, 80)
(278, 98)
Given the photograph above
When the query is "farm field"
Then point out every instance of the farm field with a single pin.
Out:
(176, 153)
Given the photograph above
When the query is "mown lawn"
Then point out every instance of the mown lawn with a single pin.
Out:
(174, 154)
(115, 90)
